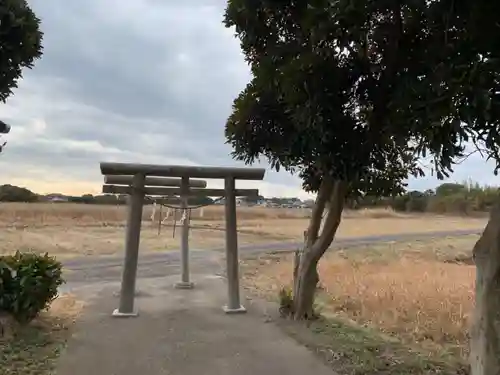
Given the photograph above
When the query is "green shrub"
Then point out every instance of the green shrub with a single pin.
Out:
(416, 204)
(11, 193)
(399, 203)
(449, 198)
(28, 284)
(286, 302)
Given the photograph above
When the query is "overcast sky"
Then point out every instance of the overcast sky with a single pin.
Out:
(146, 81)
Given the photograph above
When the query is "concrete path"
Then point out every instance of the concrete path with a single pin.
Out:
(181, 332)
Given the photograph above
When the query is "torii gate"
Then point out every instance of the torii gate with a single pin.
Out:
(139, 176)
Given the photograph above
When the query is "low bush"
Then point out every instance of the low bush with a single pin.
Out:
(286, 302)
(286, 309)
(28, 284)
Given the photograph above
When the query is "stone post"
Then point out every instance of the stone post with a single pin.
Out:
(185, 283)
(132, 239)
(233, 285)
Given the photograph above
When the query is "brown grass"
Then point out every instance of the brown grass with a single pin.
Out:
(82, 214)
(64, 242)
(435, 306)
(68, 230)
(43, 214)
(417, 291)
(359, 226)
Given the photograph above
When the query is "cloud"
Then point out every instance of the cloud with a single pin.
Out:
(112, 85)
(473, 169)
(145, 81)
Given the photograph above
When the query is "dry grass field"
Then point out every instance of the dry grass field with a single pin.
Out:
(68, 230)
(400, 307)
(395, 298)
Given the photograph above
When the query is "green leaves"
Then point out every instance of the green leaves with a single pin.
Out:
(20, 43)
(28, 284)
(343, 88)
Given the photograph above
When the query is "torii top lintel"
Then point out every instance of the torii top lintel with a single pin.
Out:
(182, 171)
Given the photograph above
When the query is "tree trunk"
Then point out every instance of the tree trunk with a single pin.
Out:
(305, 289)
(485, 330)
(315, 244)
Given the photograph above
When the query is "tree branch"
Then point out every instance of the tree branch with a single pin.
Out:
(388, 75)
(325, 191)
(332, 221)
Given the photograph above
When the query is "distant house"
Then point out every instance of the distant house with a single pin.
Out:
(56, 198)
(59, 199)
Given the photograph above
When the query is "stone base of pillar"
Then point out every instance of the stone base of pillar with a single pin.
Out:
(117, 314)
(136, 294)
(184, 285)
(239, 310)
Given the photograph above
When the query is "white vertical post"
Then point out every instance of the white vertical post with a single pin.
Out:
(185, 283)
(167, 215)
(233, 280)
(132, 239)
(153, 214)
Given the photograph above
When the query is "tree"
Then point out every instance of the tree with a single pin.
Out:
(340, 88)
(254, 199)
(11, 193)
(307, 111)
(450, 188)
(20, 44)
(196, 201)
(349, 93)
(88, 198)
(322, 159)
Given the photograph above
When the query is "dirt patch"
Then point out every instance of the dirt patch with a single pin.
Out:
(33, 349)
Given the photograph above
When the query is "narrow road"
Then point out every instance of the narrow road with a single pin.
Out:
(99, 269)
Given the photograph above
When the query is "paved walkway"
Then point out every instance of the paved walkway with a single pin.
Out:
(180, 332)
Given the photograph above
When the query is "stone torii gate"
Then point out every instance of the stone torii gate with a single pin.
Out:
(109, 187)
(149, 179)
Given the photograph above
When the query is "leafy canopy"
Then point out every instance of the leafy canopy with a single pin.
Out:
(359, 89)
(20, 43)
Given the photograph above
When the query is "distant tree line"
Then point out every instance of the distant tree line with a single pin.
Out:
(11, 193)
(453, 198)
